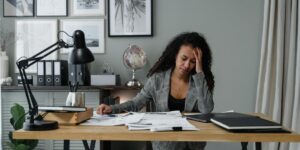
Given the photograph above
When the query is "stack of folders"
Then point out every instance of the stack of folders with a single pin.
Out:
(52, 72)
(238, 122)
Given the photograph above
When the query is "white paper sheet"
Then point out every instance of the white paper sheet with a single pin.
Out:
(153, 121)
(113, 120)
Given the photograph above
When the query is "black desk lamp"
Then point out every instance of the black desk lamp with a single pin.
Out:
(79, 55)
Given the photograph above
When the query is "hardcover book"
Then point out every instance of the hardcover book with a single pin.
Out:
(69, 118)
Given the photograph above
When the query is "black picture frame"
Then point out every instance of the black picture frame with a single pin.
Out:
(87, 8)
(13, 8)
(141, 23)
(62, 3)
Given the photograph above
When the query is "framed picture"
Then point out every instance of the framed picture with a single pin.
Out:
(87, 8)
(93, 30)
(18, 8)
(31, 38)
(51, 8)
(135, 20)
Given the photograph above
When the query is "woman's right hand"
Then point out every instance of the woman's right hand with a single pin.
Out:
(104, 109)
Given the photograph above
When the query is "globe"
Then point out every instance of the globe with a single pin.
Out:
(134, 58)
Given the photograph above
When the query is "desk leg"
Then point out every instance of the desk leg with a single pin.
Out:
(66, 144)
(244, 145)
(258, 145)
(105, 145)
(86, 145)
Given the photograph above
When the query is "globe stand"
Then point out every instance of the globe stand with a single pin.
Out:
(133, 82)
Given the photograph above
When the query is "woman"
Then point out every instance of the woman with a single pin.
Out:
(181, 79)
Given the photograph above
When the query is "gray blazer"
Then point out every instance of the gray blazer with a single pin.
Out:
(157, 89)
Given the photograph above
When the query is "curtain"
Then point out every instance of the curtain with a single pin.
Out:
(278, 85)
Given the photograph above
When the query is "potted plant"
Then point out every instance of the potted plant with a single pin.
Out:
(18, 118)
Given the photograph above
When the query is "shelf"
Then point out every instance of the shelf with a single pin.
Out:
(66, 88)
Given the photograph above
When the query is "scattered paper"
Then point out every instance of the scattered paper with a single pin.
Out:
(153, 121)
(113, 120)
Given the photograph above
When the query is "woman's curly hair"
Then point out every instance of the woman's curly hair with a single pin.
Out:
(168, 58)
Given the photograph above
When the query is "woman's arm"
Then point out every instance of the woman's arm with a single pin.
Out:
(205, 101)
(139, 101)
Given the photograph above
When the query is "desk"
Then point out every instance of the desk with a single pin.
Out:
(207, 132)
(54, 95)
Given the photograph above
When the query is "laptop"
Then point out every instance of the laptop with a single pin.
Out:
(200, 117)
(238, 122)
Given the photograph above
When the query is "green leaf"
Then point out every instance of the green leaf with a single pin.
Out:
(18, 116)
(13, 141)
(31, 143)
(17, 120)
(11, 145)
(12, 121)
(22, 147)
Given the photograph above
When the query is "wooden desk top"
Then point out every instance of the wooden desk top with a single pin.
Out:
(207, 132)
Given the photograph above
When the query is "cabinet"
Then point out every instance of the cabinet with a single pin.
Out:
(52, 95)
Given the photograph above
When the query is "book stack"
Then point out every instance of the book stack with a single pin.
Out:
(69, 118)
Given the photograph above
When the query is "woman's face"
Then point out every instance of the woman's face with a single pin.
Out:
(185, 60)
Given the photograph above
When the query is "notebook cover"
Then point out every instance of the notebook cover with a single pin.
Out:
(207, 117)
(246, 123)
(200, 117)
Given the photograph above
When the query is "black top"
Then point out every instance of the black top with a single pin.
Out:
(176, 104)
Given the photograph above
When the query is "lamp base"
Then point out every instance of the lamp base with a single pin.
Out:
(134, 83)
(40, 125)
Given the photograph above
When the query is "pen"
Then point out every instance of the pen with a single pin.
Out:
(127, 113)
(111, 115)
(76, 87)
(163, 113)
(178, 128)
(70, 86)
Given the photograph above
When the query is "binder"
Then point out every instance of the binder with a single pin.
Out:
(48, 72)
(60, 72)
(41, 73)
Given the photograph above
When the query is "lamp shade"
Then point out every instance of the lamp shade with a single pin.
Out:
(80, 54)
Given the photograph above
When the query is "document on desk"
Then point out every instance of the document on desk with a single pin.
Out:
(153, 121)
(113, 120)
(162, 121)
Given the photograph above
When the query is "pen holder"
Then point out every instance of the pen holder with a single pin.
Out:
(76, 99)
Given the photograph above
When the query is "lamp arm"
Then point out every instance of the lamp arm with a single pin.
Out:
(24, 64)
(60, 44)
(32, 104)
